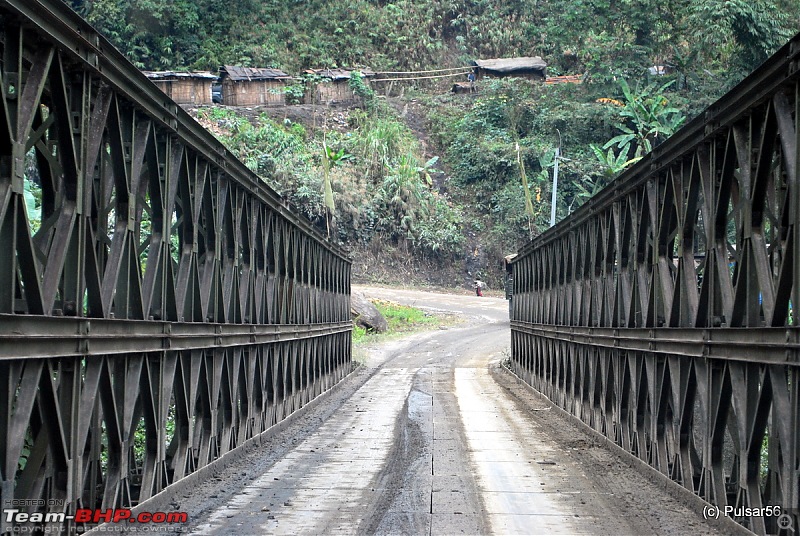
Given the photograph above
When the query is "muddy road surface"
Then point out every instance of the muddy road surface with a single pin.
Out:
(430, 436)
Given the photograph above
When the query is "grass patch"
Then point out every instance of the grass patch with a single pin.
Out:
(359, 334)
(402, 320)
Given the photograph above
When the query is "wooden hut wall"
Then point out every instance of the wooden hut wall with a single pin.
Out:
(187, 90)
(338, 92)
(253, 93)
(192, 91)
(228, 92)
(528, 75)
(165, 86)
(536, 76)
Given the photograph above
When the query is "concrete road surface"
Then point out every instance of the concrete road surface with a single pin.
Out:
(427, 438)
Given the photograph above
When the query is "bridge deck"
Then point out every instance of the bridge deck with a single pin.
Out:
(429, 441)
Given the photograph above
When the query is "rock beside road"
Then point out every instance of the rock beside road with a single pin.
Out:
(365, 314)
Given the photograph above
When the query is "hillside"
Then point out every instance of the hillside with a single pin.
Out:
(602, 38)
(435, 187)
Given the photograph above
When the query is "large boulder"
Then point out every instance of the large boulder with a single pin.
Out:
(365, 314)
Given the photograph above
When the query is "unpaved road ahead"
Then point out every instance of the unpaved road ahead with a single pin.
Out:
(427, 438)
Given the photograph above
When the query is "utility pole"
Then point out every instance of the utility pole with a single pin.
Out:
(555, 187)
(555, 182)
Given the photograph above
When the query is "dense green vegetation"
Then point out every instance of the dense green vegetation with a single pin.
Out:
(482, 185)
(601, 37)
(379, 182)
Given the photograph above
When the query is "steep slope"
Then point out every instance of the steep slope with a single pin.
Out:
(604, 39)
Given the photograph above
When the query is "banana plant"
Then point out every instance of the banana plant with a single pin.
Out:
(614, 163)
(336, 157)
(652, 118)
(426, 170)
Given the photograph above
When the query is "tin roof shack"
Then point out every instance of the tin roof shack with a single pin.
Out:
(184, 88)
(531, 68)
(251, 86)
(337, 91)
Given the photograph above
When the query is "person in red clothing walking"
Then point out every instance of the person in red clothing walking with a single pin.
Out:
(478, 287)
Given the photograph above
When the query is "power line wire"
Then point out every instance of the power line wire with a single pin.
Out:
(419, 72)
(420, 77)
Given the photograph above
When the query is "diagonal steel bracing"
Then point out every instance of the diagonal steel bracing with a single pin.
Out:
(159, 305)
(665, 312)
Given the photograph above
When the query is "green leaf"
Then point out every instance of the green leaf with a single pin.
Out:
(622, 140)
(432, 162)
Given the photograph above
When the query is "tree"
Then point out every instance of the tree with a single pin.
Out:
(742, 32)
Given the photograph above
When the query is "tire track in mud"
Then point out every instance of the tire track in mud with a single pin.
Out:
(415, 477)
(415, 467)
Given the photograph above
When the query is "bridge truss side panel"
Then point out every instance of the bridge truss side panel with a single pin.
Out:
(159, 305)
(662, 313)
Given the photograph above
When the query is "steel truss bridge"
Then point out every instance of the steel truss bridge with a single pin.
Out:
(665, 312)
(159, 287)
(160, 307)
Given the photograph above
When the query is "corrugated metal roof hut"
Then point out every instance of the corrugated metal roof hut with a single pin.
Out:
(337, 91)
(251, 86)
(532, 68)
(184, 88)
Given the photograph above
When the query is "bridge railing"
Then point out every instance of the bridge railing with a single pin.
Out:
(159, 305)
(664, 313)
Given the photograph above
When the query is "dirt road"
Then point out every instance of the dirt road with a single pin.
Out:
(424, 439)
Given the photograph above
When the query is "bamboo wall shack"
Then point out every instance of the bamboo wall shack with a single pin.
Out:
(337, 90)
(532, 68)
(184, 88)
(250, 86)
